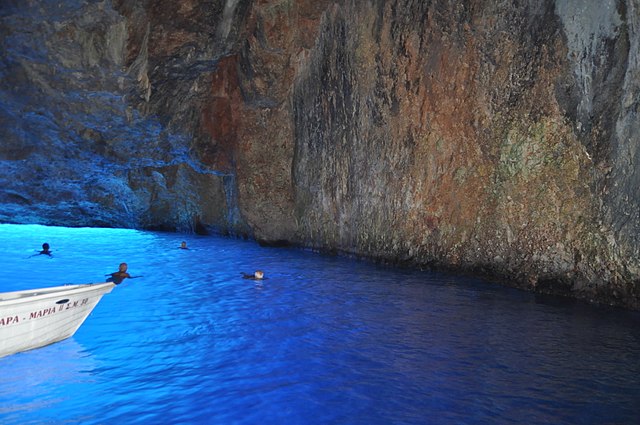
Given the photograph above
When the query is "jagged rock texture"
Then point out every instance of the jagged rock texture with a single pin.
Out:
(494, 137)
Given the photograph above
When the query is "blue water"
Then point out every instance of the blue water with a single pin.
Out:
(323, 340)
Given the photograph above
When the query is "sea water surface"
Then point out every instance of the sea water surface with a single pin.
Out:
(323, 340)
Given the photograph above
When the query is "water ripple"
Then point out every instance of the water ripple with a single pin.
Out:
(322, 340)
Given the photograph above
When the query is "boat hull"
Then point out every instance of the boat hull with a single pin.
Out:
(39, 317)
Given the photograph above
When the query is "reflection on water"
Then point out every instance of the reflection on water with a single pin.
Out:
(322, 340)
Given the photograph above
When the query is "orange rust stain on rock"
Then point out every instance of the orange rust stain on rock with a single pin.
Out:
(220, 115)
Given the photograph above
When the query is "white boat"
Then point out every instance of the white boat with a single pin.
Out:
(38, 317)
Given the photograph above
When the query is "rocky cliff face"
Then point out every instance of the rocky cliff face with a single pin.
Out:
(493, 137)
(74, 150)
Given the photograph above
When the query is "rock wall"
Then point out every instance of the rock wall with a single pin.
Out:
(493, 137)
(76, 147)
(479, 136)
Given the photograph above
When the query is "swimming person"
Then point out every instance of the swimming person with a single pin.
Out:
(258, 275)
(45, 250)
(120, 275)
(183, 245)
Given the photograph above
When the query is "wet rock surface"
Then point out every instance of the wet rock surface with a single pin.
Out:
(74, 149)
(493, 138)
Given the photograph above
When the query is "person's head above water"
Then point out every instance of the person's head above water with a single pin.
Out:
(45, 250)
(257, 275)
(119, 276)
(183, 245)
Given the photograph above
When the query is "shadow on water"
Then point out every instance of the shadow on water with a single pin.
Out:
(322, 340)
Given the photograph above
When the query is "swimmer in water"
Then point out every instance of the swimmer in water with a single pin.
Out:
(258, 275)
(45, 250)
(183, 245)
(120, 275)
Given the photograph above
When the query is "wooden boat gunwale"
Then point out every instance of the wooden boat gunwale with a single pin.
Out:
(32, 295)
(35, 318)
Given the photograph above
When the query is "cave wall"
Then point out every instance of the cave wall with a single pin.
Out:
(493, 137)
(78, 144)
(478, 136)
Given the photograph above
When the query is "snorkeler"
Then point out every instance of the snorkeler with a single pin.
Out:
(258, 275)
(120, 275)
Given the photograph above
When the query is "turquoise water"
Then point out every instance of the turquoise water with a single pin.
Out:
(323, 340)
